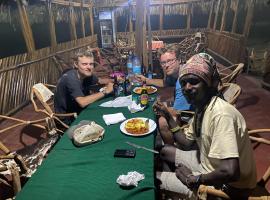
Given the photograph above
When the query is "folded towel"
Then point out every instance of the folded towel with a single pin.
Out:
(114, 118)
(135, 107)
(118, 102)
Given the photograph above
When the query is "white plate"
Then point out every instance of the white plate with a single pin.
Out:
(152, 127)
(154, 89)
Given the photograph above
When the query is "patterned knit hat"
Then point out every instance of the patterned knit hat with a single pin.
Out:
(202, 65)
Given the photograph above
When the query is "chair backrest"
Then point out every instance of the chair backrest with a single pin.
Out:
(236, 70)
(231, 92)
(43, 94)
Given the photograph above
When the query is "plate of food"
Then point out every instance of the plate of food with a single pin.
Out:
(138, 126)
(150, 90)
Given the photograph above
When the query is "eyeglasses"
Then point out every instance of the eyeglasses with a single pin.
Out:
(85, 64)
(169, 62)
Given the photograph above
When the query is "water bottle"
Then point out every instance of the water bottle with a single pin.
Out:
(129, 65)
(136, 65)
(149, 74)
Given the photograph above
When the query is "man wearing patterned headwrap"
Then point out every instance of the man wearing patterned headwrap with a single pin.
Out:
(215, 149)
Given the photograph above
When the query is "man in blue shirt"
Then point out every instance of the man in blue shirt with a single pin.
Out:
(170, 63)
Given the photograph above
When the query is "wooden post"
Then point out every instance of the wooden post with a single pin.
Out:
(73, 33)
(139, 28)
(150, 57)
(189, 16)
(210, 15)
(51, 24)
(130, 26)
(161, 13)
(82, 19)
(249, 18)
(91, 20)
(224, 13)
(235, 17)
(216, 15)
(144, 39)
(26, 27)
(115, 22)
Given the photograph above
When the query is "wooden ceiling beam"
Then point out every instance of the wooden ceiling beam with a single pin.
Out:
(121, 3)
(67, 3)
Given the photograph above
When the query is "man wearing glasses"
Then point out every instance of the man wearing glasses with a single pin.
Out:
(171, 65)
(72, 90)
(169, 61)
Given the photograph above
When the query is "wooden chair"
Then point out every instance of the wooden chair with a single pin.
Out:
(13, 164)
(231, 92)
(21, 122)
(229, 74)
(260, 192)
(44, 95)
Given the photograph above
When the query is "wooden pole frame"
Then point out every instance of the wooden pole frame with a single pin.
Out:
(190, 5)
(210, 15)
(91, 20)
(249, 18)
(216, 15)
(26, 27)
(224, 14)
(53, 39)
(235, 17)
(161, 14)
(73, 32)
(139, 29)
(82, 19)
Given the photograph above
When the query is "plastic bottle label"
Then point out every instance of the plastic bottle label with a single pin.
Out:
(129, 65)
(137, 69)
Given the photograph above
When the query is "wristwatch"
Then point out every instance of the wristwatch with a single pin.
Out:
(103, 90)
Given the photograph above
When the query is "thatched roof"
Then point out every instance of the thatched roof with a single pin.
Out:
(37, 9)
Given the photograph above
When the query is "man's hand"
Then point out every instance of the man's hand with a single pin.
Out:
(160, 109)
(109, 88)
(185, 175)
(140, 78)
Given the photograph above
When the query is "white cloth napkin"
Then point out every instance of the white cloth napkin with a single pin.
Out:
(131, 179)
(118, 102)
(113, 118)
(135, 107)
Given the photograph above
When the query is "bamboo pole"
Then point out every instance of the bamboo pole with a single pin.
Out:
(26, 27)
(139, 28)
(210, 15)
(51, 24)
(189, 16)
(82, 19)
(235, 17)
(91, 20)
(73, 33)
(224, 13)
(150, 57)
(216, 15)
(161, 11)
(249, 18)
(130, 25)
(144, 39)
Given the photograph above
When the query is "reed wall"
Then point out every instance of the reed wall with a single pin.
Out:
(20, 72)
(230, 46)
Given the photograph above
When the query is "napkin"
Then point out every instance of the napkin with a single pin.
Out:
(135, 107)
(118, 102)
(113, 118)
(131, 179)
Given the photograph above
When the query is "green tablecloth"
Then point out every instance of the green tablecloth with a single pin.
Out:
(90, 172)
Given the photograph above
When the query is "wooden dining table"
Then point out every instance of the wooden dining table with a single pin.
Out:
(90, 172)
